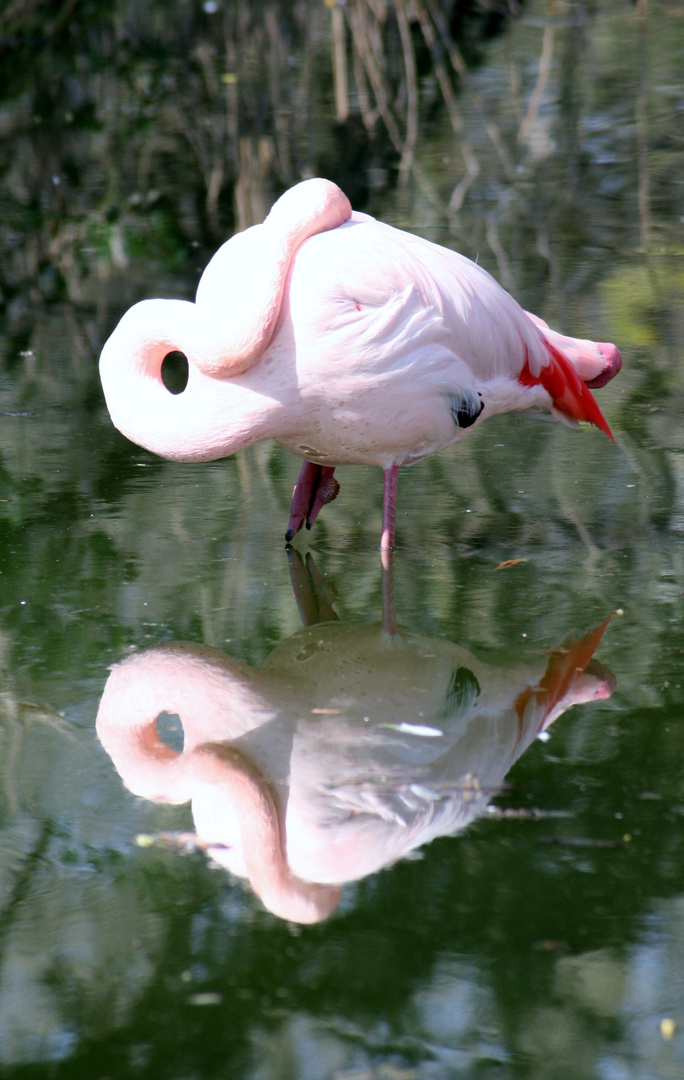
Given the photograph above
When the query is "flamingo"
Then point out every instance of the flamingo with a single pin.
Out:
(346, 340)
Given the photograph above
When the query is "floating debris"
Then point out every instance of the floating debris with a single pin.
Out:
(186, 842)
(206, 998)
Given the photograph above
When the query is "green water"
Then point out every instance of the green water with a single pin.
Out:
(543, 936)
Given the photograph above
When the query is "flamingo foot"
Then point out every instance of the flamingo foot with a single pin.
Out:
(316, 486)
(389, 507)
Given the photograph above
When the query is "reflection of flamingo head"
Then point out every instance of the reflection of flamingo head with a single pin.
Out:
(210, 692)
(226, 788)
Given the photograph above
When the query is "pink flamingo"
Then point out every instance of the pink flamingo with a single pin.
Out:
(347, 341)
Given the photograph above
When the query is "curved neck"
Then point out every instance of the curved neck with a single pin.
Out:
(223, 334)
(211, 418)
(252, 801)
(211, 694)
(214, 706)
(245, 280)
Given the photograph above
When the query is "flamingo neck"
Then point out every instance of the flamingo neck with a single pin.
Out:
(211, 418)
(245, 279)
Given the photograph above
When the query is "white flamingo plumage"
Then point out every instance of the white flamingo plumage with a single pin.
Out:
(346, 340)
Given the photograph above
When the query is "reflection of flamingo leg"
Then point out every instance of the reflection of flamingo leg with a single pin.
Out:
(389, 611)
(316, 485)
(313, 594)
(315, 597)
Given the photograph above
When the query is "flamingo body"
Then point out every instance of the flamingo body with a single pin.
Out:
(346, 340)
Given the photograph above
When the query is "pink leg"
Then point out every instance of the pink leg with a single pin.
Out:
(389, 507)
(316, 486)
(326, 490)
(301, 498)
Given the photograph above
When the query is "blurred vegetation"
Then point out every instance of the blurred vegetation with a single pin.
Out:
(136, 137)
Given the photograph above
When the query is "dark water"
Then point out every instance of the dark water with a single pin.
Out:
(539, 931)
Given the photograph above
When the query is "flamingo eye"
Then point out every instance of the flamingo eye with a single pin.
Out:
(174, 372)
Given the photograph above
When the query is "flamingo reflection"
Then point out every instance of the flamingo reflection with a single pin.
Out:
(349, 747)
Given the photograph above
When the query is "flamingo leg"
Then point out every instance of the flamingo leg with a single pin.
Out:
(316, 485)
(389, 507)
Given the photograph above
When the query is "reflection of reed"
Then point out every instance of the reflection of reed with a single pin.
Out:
(642, 133)
(18, 719)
